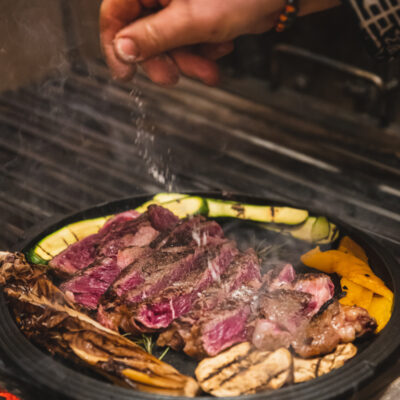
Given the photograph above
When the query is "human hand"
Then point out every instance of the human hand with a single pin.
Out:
(170, 37)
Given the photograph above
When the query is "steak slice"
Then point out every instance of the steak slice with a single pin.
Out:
(176, 300)
(88, 285)
(194, 231)
(149, 274)
(83, 253)
(279, 277)
(281, 314)
(319, 286)
(119, 232)
(219, 316)
(336, 324)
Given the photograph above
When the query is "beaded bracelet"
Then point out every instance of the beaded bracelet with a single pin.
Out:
(288, 16)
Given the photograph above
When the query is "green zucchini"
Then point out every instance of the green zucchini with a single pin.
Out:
(58, 241)
(186, 206)
(316, 230)
(167, 197)
(270, 214)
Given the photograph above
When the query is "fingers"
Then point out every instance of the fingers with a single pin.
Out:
(169, 28)
(215, 51)
(196, 66)
(114, 15)
(161, 70)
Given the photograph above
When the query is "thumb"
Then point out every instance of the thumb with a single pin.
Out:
(157, 33)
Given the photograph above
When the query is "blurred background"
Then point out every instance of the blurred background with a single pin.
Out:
(304, 116)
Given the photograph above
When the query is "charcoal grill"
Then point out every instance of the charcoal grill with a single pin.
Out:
(75, 139)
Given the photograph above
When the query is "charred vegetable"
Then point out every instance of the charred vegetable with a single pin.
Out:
(362, 286)
(244, 370)
(47, 317)
(314, 230)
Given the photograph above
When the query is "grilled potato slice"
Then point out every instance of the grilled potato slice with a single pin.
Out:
(244, 370)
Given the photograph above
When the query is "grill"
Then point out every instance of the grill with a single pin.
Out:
(71, 142)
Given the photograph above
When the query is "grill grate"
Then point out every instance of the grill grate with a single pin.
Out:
(71, 143)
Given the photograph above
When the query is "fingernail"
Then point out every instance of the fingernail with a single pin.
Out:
(126, 50)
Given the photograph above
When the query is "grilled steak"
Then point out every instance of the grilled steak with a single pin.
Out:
(83, 253)
(219, 316)
(337, 324)
(195, 231)
(123, 232)
(281, 314)
(184, 279)
(176, 300)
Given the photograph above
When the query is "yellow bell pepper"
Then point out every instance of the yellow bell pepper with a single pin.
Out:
(356, 295)
(362, 286)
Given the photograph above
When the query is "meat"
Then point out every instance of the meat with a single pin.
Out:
(279, 277)
(337, 324)
(83, 253)
(195, 231)
(219, 316)
(118, 244)
(178, 299)
(281, 314)
(319, 286)
(184, 279)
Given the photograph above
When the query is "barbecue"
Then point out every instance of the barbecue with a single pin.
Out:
(181, 278)
(299, 120)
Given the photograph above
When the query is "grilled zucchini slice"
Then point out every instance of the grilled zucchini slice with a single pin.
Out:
(270, 214)
(314, 230)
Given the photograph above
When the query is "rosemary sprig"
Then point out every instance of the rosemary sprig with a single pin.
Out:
(145, 342)
(164, 353)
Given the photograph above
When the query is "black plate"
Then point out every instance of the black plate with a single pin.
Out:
(55, 376)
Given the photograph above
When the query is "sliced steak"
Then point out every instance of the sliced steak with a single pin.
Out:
(149, 274)
(279, 277)
(118, 244)
(88, 285)
(194, 231)
(319, 286)
(337, 324)
(176, 300)
(83, 253)
(219, 316)
(281, 314)
(161, 218)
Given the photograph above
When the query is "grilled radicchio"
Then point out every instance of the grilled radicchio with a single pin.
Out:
(48, 318)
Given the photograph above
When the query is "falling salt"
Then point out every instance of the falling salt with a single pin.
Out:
(156, 164)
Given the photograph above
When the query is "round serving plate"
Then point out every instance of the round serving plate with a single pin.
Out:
(53, 375)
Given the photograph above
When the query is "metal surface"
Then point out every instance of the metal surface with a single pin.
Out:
(373, 356)
(71, 143)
